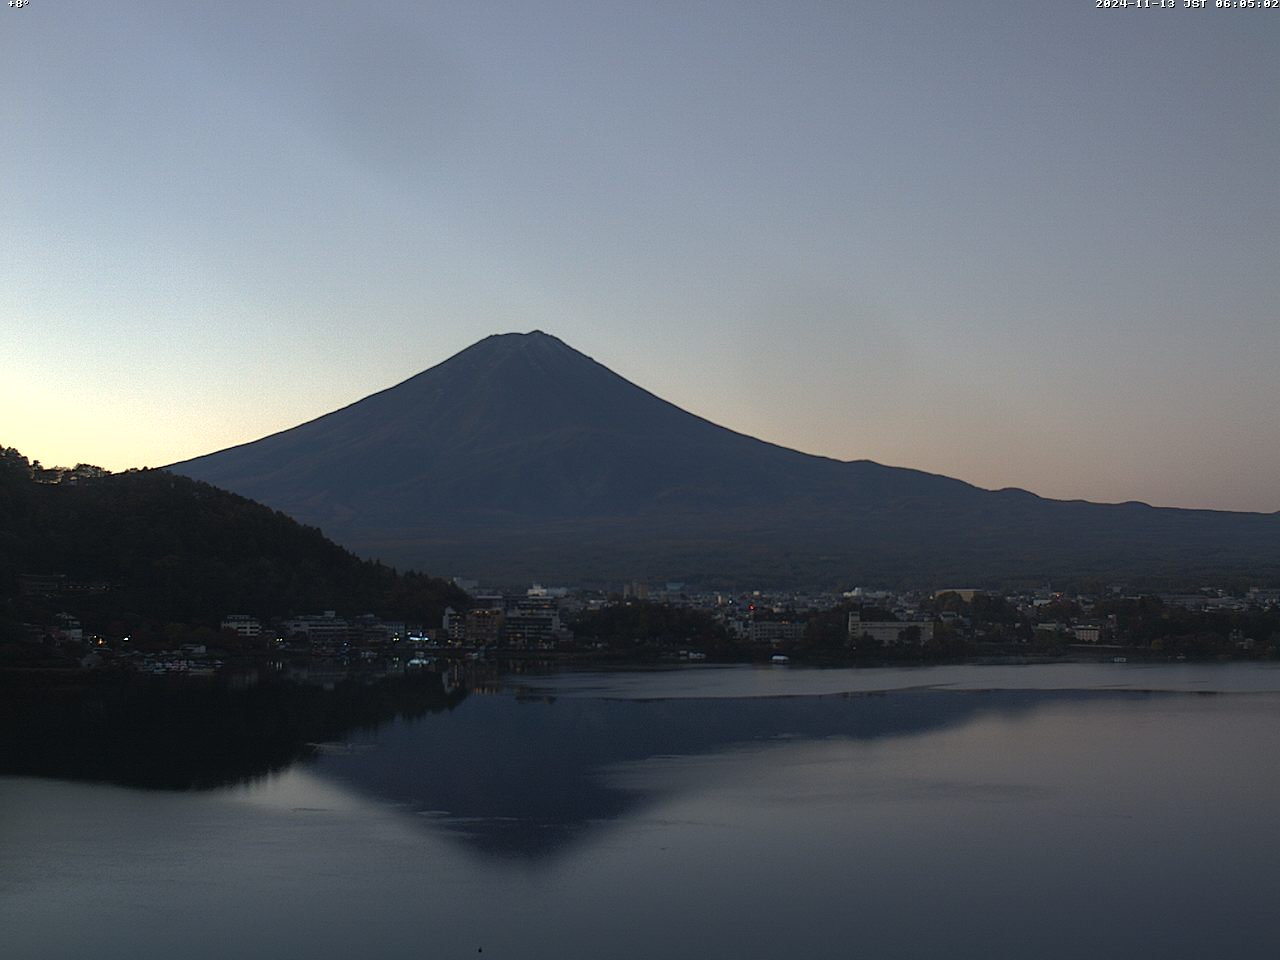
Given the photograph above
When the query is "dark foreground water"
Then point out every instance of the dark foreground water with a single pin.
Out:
(1049, 812)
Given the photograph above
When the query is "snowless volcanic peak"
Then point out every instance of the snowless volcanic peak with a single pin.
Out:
(522, 458)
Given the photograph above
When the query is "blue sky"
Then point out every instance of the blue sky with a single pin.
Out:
(1022, 243)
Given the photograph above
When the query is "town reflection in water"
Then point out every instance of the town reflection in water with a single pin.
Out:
(179, 733)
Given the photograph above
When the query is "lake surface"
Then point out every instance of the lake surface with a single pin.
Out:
(1086, 810)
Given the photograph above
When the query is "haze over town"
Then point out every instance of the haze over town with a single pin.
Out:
(1022, 244)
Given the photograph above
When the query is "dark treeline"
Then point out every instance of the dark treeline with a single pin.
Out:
(640, 623)
(985, 625)
(150, 547)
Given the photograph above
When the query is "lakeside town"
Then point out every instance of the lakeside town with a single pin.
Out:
(642, 622)
(149, 572)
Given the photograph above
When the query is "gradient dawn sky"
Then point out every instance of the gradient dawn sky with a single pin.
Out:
(1027, 243)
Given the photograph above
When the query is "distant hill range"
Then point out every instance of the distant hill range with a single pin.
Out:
(520, 458)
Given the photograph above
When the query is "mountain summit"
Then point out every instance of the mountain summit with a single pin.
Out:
(521, 458)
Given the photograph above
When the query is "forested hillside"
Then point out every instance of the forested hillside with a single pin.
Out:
(152, 547)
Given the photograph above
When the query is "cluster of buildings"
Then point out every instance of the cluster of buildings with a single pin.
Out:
(320, 631)
(529, 621)
(541, 619)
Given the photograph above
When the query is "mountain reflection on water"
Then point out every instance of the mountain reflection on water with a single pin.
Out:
(550, 817)
(511, 776)
(533, 778)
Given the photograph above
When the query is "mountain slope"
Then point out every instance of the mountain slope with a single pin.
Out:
(520, 425)
(174, 549)
(520, 457)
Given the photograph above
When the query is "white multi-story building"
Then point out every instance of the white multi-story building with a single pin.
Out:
(887, 633)
(774, 631)
(242, 624)
(329, 627)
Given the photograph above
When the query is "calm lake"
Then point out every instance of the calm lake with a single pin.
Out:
(1060, 811)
